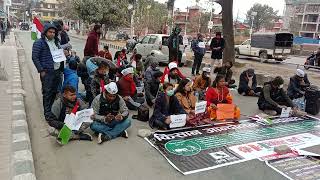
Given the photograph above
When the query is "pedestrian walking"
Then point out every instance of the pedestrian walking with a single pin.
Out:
(50, 71)
(2, 31)
(199, 50)
(217, 45)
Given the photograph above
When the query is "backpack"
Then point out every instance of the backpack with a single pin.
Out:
(143, 113)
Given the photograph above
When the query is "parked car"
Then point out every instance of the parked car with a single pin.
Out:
(266, 46)
(24, 26)
(122, 36)
(157, 44)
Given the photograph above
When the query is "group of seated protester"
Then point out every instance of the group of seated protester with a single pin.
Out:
(112, 93)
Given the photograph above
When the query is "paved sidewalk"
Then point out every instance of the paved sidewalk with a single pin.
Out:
(15, 147)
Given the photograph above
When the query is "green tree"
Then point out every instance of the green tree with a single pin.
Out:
(264, 18)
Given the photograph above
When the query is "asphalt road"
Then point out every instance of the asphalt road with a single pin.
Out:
(132, 159)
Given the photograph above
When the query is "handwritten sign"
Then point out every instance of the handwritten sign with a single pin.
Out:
(58, 55)
(202, 45)
(285, 112)
(200, 107)
(178, 120)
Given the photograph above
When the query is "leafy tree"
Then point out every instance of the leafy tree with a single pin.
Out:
(264, 18)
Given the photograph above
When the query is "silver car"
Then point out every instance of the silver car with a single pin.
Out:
(157, 44)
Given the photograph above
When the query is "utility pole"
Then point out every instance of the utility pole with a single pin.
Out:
(236, 22)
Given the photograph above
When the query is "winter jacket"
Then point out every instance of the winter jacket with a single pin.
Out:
(70, 78)
(104, 54)
(273, 96)
(100, 101)
(148, 74)
(188, 102)
(227, 73)
(41, 54)
(151, 89)
(201, 83)
(96, 83)
(215, 42)
(244, 82)
(196, 49)
(64, 38)
(295, 89)
(92, 44)
(124, 88)
(162, 110)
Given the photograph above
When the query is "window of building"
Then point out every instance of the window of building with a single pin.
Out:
(44, 14)
(53, 14)
(45, 5)
(53, 6)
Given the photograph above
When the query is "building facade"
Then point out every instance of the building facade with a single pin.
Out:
(48, 9)
(302, 17)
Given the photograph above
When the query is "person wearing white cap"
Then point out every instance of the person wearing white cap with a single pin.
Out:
(110, 115)
(297, 85)
(202, 82)
(172, 76)
(128, 89)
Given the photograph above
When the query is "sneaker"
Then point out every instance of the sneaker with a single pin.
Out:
(53, 131)
(270, 112)
(59, 141)
(102, 138)
(85, 137)
(124, 134)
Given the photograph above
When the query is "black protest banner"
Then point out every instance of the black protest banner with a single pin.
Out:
(192, 150)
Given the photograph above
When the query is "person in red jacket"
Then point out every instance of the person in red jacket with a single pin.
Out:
(105, 53)
(218, 93)
(92, 44)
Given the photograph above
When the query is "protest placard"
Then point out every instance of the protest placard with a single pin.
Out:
(178, 120)
(74, 122)
(58, 55)
(200, 107)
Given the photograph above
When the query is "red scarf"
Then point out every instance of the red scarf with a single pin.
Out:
(102, 85)
(132, 84)
(75, 108)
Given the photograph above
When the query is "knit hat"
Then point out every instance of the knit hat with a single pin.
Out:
(300, 73)
(111, 88)
(127, 71)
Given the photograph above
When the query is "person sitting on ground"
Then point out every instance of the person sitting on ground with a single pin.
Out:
(226, 71)
(151, 70)
(202, 82)
(71, 77)
(166, 105)
(128, 90)
(63, 106)
(151, 58)
(137, 64)
(273, 98)
(100, 78)
(105, 53)
(121, 57)
(185, 95)
(110, 115)
(219, 94)
(152, 87)
(172, 74)
(248, 84)
(74, 56)
(298, 84)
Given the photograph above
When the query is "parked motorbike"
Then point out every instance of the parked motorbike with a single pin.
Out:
(313, 61)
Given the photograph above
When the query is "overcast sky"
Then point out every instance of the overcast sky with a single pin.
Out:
(241, 6)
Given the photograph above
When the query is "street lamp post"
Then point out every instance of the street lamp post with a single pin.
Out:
(253, 14)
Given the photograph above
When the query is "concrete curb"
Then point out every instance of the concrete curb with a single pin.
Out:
(22, 163)
(101, 43)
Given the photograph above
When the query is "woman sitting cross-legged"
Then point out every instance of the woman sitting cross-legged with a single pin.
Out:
(185, 96)
(166, 105)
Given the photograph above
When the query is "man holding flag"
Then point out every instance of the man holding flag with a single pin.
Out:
(43, 59)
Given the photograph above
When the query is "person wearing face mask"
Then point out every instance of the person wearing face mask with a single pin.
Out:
(248, 84)
(61, 107)
(100, 79)
(298, 84)
(202, 82)
(92, 45)
(166, 105)
(128, 90)
(225, 70)
(152, 87)
(198, 47)
(110, 119)
(273, 98)
(151, 70)
(185, 95)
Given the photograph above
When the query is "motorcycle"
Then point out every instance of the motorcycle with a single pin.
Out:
(313, 61)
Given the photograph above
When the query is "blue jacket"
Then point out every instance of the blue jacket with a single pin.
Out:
(70, 78)
(196, 49)
(41, 55)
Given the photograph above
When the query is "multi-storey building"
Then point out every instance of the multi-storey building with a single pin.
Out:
(48, 9)
(303, 17)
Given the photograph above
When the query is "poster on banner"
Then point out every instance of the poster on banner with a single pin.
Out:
(266, 148)
(178, 120)
(297, 168)
(208, 147)
(285, 112)
(74, 121)
(58, 55)
(200, 107)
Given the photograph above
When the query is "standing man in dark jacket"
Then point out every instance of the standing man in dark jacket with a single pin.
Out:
(248, 83)
(298, 84)
(2, 31)
(92, 45)
(217, 45)
(50, 71)
(174, 41)
(199, 50)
